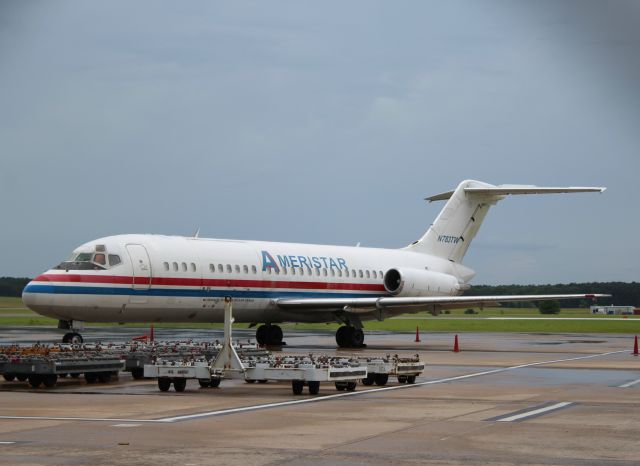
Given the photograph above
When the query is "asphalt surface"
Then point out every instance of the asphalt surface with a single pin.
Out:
(505, 399)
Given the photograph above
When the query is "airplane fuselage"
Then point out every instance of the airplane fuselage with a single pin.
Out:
(154, 278)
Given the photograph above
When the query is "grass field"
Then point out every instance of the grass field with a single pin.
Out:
(13, 313)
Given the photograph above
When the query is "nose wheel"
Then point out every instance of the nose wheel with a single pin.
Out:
(73, 338)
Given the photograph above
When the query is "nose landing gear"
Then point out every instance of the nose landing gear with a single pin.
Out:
(73, 336)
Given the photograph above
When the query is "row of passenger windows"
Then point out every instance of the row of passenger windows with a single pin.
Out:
(228, 268)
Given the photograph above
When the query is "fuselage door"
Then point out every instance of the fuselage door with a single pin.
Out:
(141, 266)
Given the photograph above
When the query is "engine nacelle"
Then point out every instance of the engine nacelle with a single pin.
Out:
(417, 282)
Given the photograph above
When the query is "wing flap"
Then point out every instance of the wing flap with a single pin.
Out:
(362, 305)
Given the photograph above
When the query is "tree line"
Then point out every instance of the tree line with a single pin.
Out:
(623, 293)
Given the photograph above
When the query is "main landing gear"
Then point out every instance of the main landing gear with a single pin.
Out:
(73, 336)
(350, 337)
(269, 335)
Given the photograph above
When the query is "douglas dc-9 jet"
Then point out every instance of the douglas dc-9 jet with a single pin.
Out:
(154, 278)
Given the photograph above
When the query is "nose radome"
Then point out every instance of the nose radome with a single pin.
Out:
(29, 298)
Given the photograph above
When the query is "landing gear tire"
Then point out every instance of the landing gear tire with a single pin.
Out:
(381, 379)
(164, 384)
(314, 387)
(270, 335)
(179, 384)
(297, 386)
(73, 338)
(350, 337)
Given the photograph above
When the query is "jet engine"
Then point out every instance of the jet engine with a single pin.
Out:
(417, 282)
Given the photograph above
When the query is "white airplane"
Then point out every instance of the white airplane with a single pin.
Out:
(153, 278)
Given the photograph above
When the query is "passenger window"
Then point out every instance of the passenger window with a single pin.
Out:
(184, 267)
(220, 268)
(277, 271)
(360, 273)
(293, 271)
(333, 273)
(269, 271)
(193, 267)
(368, 274)
(339, 273)
(353, 273)
(324, 272)
(245, 268)
(212, 268)
(175, 266)
(381, 274)
(166, 266)
(114, 260)
(237, 268)
(254, 270)
(301, 271)
(346, 273)
(229, 269)
(284, 270)
(375, 274)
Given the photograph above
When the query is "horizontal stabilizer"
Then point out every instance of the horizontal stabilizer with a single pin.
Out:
(507, 189)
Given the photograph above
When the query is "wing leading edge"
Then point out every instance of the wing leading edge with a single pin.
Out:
(364, 305)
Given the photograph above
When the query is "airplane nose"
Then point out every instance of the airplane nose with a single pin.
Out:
(30, 297)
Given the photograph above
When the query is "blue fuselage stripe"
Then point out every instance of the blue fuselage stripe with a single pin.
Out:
(186, 292)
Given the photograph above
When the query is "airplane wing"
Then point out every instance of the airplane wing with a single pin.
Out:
(365, 305)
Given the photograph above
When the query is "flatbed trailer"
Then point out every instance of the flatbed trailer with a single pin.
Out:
(300, 370)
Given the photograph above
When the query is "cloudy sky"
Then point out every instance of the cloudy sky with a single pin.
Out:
(322, 122)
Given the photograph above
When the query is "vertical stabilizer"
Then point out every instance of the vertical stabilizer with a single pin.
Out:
(458, 223)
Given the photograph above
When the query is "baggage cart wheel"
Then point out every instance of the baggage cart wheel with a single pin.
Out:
(22, 377)
(262, 381)
(381, 379)
(91, 377)
(104, 377)
(411, 379)
(204, 383)
(402, 379)
(50, 380)
(9, 377)
(137, 373)
(250, 380)
(297, 386)
(164, 384)
(340, 386)
(368, 380)
(351, 386)
(214, 383)
(75, 376)
(35, 380)
(314, 387)
(179, 384)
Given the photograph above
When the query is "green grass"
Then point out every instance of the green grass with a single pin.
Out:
(14, 313)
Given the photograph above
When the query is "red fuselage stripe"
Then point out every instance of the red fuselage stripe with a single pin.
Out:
(205, 282)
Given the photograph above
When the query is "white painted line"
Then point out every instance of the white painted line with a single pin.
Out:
(311, 400)
(7, 443)
(629, 384)
(126, 425)
(536, 412)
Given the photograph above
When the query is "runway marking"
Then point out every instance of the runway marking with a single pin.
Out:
(223, 412)
(529, 413)
(7, 443)
(126, 425)
(629, 384)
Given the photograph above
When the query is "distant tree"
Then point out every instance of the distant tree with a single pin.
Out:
(549, 307)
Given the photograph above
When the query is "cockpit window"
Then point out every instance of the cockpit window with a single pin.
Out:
(87, 261)
(115, 260)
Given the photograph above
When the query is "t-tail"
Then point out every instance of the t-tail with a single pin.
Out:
(458, 223)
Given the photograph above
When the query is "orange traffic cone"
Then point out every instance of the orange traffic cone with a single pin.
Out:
(635, 346)
(456, 347)
(417, 334)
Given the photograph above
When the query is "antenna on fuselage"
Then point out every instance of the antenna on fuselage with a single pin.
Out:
(197, 233)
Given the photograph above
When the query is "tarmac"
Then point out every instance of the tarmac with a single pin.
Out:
(504, 399)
